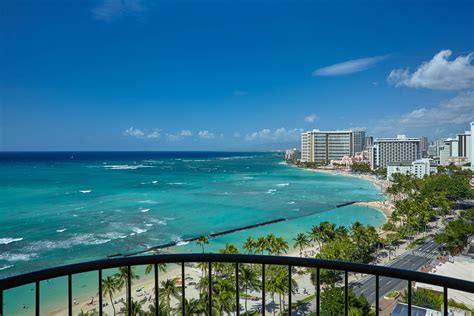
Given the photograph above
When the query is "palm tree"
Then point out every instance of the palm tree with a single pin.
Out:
(271, 243)
(248, 280)
(280, 246)
(167, 291)
(301, 241)
(316, 235)
(122, 278)
(261, 245)
(135, 308)
(161, 267)
(202, 240)
(249, 245)
(109, 287)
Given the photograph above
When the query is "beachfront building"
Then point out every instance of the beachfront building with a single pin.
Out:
(472, 146)
(388, 150)
(419, 168)
(324, 146)
(293, 154)
(444, 153)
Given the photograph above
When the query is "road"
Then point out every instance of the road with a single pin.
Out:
(414, 260)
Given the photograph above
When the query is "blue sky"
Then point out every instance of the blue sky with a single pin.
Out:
(221, 75)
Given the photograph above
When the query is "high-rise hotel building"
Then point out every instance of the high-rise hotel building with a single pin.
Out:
(323, 146)
(389, 150)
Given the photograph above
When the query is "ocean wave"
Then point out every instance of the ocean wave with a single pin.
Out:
(145, 210)
(177, 183)
(154, 181)
(148, 202)
(271, 191)
(6, 241)
(5, 267)
(235, 157)
(76, 240)
(113, 235)
(182, 243)
(138, 231)
(61, 230)
(125, 167)
(12, 257)
(159, 221)
(248, 178)
(148, 224)
(291, 202)
(281, 185)
(85, 191)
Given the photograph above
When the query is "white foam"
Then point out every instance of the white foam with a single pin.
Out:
(271, 191)
(137, 230)
(154, 182)
(6, 241)
(148, 225)
(12, 257)
(6, 267)
(147, 202)
(249, 178)
(145, 210)
(126, 167)
(292, 202)
(280, 185)
(85, 191)
(182, 243)
(177, 183)
(61, 230)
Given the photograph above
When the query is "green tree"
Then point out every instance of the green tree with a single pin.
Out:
(301, 241)
(249, 245)
(167, 291)
(110, 286)
(248, 280)
(202, 240)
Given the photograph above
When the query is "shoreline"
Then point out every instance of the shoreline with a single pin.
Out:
(385, 206)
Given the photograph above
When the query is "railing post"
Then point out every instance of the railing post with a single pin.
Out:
(100, 292)
(318, 291)
(69, 295)
(37, 299)
(237, 290)
(209, 296)
(156, 290)
(445, 300)
(346, 293)
(289, 291)
(1, 302)
(377, 285)
(129, 290)
(263, 289)
(183, 289)
(409, 297)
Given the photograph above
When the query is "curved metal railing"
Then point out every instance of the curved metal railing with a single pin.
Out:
(346, 267)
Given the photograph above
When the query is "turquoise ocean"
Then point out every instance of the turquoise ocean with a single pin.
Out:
(63, 207)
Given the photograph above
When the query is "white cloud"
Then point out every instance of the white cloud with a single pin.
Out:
(133, 132)
(280, 134)
(110, 10)
(142, 133)
(438, 74)
(154, 134)
(185, 133)
(349, 67)
(237, 135)
(454, 115)
(311, 118)
(205, 134)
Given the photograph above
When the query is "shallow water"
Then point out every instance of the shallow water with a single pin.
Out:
(60, 208)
